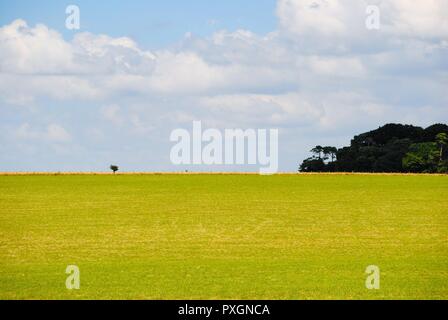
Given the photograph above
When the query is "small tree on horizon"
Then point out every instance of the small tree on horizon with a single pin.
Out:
(114, 168)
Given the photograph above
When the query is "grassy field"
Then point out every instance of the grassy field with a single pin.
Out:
(224, 236)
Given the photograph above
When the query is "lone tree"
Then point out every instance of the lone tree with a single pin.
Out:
(114, 168)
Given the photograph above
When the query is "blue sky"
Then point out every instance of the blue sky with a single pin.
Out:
(113, 91)
(151, 23)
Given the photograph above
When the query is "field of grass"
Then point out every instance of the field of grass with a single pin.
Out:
(224, 236)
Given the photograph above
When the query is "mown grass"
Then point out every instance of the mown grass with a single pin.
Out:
(223, 236)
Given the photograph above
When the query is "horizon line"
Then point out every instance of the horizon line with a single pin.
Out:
(104, 173)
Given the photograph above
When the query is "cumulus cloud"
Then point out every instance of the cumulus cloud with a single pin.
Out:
(51, 133)
(314, 17)
(346, 18)
(425, 19)
(336, 66)
(98, 66)
(284, 109)
(26, 50)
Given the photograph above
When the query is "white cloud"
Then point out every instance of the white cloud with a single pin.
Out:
(33, 50)
(40, 63)
(346, 18)
(57, 133)
(314, 17)
(51, 133)
(336, 66)
(425, 19)
(267, 109)
(21, 88)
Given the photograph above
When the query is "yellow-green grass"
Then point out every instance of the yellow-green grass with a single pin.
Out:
(224, 236)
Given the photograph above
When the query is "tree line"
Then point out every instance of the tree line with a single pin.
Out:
(391, 148)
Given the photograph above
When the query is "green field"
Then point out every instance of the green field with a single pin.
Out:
(224, 236)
